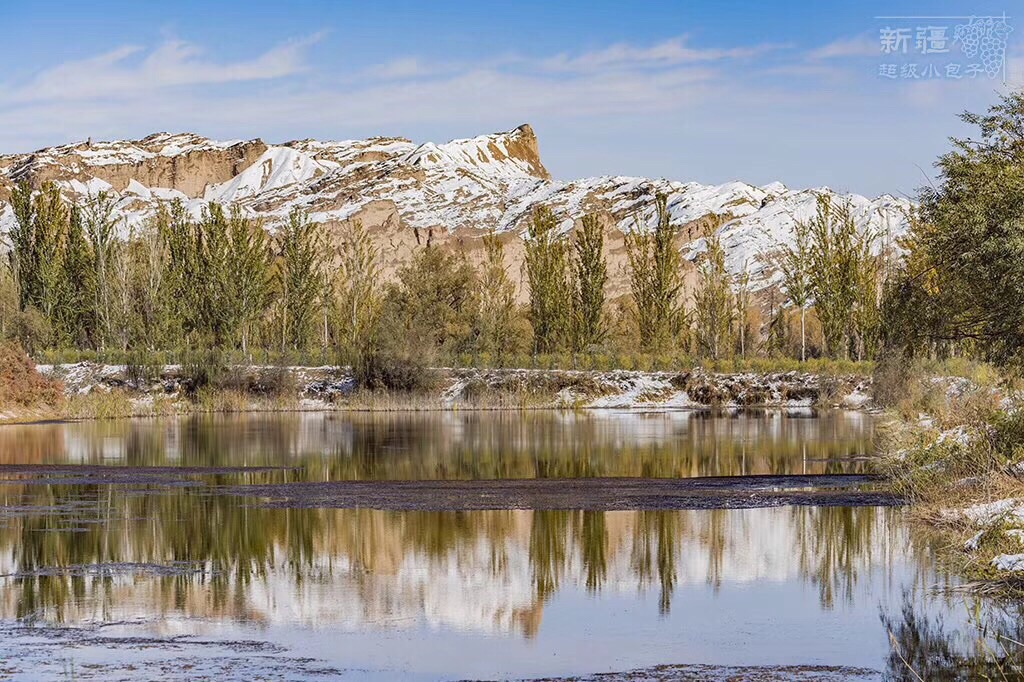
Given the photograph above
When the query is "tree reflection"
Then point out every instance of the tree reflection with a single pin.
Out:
(923, 648)
(82, 550)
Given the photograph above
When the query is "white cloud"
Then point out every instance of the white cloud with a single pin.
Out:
(671, 104)
(853, 46)
(173, 63)
(668, 53)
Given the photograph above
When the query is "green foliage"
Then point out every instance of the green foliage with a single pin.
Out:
(432, 307)
(358, 289)
(713, 304)
(500, 330)
(302, 260)
(656, 281)
(795, 265)
(216, 272)
(590, 274)
(961, 287)
(547, 272)
(832, 272)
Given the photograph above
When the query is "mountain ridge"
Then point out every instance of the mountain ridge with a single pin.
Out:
(460, 188)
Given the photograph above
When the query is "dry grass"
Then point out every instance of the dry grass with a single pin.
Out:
(950, 450)
(22, 387)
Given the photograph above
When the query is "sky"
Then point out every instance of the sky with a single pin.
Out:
(705, 91)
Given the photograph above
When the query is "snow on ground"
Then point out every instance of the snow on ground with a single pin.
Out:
(1008, 562)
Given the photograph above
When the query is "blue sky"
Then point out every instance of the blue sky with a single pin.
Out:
(706, 91)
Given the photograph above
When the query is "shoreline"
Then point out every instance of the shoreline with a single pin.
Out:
(94, 391)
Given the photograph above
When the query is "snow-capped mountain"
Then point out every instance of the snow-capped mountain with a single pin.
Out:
(456, 190)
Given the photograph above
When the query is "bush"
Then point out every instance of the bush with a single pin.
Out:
(378, 370)
(895, 379)
(21, 385)
(32, 330)
(143, 368)
(202, 369)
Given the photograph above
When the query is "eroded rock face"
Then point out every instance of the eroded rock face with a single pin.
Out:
(450, 194)
(185, 163)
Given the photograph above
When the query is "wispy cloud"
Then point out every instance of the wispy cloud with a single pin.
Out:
(678, 99)
(668, 53)
(846, 47)
(131, 69)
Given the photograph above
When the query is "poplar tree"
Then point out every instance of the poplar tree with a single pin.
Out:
(547, 272)
(101, 229)
(301, 253)
(655, 280)
(496, 322)
(250, 259)
(358, 287)
(795, 266)
(76, 312)
(590, 274)
(866, 312)
(832, 272)
(713, 303)
(741, 299)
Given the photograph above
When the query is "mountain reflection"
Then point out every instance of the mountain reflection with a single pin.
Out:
(76, 552)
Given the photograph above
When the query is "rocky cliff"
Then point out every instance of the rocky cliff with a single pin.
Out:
(450, 193)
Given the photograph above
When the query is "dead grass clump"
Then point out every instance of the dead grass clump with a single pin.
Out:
(21, 385)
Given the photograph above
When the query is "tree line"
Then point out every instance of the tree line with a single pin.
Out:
(77, 278)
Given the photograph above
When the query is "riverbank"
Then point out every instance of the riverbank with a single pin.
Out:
(108, 391)
(957, 455)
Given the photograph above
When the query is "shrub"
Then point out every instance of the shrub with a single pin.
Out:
(32, 330)
(895, 379)
(21, 385)
(203, 368)
(394, 371)
(143, 368)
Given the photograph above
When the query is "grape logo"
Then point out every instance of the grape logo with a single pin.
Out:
(949, 48)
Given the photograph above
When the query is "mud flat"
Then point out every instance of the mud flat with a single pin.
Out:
(588, 494)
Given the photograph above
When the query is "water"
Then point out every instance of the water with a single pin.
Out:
(149, 570)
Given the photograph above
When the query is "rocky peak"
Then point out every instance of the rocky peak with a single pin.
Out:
(461, 188)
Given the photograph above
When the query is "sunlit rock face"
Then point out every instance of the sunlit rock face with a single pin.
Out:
(450, 193)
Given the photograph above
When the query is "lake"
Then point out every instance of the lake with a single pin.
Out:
(171, 549)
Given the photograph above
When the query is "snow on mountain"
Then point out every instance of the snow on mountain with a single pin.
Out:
(462, 187)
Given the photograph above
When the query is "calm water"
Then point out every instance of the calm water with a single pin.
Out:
(161, 577)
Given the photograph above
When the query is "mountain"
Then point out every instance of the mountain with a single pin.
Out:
(449, 193)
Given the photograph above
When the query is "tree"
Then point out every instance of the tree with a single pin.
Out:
(547, 272)
(301, 260)
(75, 321)
(433, 304)
(795, 266)
(497, 330)
(250, 260)
(37, 240)
(590, 274)
(358, 287)
(101, 229)
(962, 281)
(741, 299)
(832, 272)
(866, 315)
(655, 280)
(713, 303)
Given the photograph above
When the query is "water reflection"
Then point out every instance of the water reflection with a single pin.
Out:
(178, 556)
(924, 646)
(142, 555)
(468, 445)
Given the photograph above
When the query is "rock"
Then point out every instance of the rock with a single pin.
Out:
(1008, 562)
